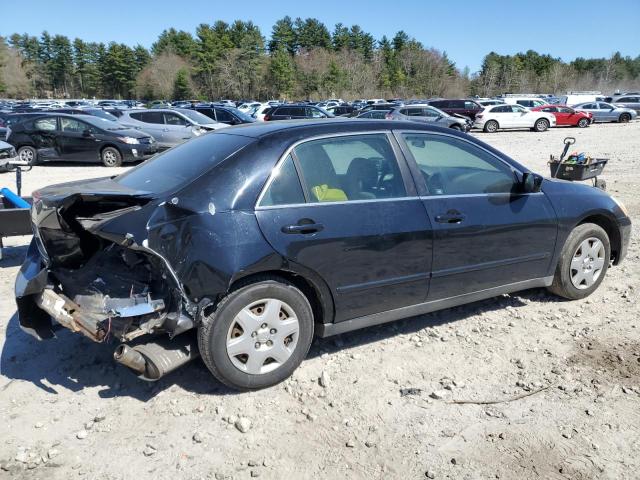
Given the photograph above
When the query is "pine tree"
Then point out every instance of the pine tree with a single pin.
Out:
(181, 87)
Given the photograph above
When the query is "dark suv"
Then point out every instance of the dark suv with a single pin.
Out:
(228, 115)
(261, 236)
(296, 112)
(465, 107)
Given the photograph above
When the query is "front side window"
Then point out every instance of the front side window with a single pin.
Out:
(605, 106)
(470, 105)
(563, 110)
(223, 116)
(358, 167)
(173, 119)
(285, 187)
(517, 109)
(501, 109)
(72, 125)
(314, 113)
(451, 166)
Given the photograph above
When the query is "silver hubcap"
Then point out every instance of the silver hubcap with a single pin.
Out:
(26, 155)
(109, 157)
(262, 336)
(541, 125)
(587, 263)
(492, 127)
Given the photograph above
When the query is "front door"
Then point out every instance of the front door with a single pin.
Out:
(78, 141)
(486, 234)
(345, 208)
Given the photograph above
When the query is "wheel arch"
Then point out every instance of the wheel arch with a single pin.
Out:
(112, 145)
(317, 293)
(609, 225)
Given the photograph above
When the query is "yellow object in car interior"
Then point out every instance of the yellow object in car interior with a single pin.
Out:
(325, 194)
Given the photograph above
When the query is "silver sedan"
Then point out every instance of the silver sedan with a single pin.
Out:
(606, 112)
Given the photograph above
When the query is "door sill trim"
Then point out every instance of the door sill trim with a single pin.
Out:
(330, 329)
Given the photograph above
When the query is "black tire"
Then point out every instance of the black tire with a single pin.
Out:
(111, 157)
(491, 126)
(583, 123)
(563, 285)
(541, 125)
(216, 327)
(624, 118)
(28, 154)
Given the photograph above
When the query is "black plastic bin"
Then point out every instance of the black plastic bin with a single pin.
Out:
(577, 171)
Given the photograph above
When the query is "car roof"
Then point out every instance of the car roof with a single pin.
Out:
(327, 126)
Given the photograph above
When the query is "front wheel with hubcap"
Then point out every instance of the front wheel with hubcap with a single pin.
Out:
(624, 118)
(583, 262)
(583, 123)
(541, 125)
(111, 157)
(29, 155)
(257, 335)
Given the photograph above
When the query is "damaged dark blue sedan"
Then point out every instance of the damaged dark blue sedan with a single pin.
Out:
(240, 245)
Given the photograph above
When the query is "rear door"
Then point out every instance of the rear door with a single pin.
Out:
(45, 134)
(153, 123)
(79, 141)
(353, 219)
(486, 234)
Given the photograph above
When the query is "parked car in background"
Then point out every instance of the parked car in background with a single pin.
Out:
(228, 115)
(428, 114)
(78, 104)
(606, 112)
(465, 107)
(340, 230)
(626, 101)
(296, 112)
(79, 138)
(248, 107)
(377, 114)
(260, 111)
(169, 126)
(158, 104)
(572, 99)
(529, 102)
(374, 106)
(344, 109)
(566, 116)
(499, 117)
(490, 102)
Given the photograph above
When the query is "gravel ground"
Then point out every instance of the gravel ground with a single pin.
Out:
(370, 404)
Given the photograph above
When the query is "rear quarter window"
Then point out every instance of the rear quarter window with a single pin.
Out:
(182, 164)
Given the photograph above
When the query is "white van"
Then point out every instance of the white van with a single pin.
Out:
(573, 98)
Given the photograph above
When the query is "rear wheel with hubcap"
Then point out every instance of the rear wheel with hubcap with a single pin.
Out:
(258, 335)
(491, 126)
(583, 262)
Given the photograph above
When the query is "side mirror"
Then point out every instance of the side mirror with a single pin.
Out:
(531, 182)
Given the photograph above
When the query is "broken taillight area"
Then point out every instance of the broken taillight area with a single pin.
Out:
(117, 293)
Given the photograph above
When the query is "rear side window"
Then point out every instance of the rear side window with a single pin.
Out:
(451, 166)
(285, 188)
(209, 112)
(283, 111)
(182, 164)
(46, 124)
(148, 117)
(358, 167)
(456, 104)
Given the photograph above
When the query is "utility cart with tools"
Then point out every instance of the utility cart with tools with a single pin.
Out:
(577, 166)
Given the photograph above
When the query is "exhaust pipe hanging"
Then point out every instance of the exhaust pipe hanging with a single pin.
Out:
(151, 361)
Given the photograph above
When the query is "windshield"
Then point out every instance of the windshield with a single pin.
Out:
(103, 123)
(196, 117)
(182, 164)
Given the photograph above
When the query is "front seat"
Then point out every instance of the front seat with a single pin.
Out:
(362, 179)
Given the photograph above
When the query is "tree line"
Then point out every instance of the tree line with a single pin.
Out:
(301, 59)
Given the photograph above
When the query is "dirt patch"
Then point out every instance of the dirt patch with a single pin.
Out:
(610, 363)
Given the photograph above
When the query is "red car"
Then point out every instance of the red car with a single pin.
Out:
(567, 115)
